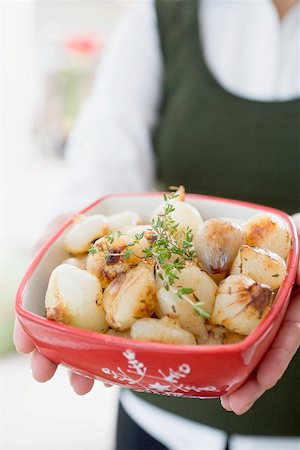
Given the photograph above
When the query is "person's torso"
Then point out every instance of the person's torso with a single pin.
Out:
(215, 142)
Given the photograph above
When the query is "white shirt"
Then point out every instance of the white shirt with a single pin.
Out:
(252, 54)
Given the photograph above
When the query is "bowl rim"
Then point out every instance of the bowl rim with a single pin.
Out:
(96, 337)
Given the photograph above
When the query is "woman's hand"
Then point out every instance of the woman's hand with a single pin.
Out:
(277, 358)
(273, 365)
(296, 218)
(42, 368)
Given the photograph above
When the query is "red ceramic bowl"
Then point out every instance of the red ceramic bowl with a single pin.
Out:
(191, 371)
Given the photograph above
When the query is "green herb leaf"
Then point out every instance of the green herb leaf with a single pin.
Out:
(92, 249)
(184, 291)
(169, 247)
(127, 253)
(199, 310)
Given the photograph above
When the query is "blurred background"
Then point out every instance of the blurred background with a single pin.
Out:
(49, 50)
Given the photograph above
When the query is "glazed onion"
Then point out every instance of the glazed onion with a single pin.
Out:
(130, 296)
(261, 265)
(184, 214)
(108, 264)
(123, 219)
(170, 304)
(166, 330)
(217, 242)
(241, 303)
(85, 230)
(73, 297)
(269, 231)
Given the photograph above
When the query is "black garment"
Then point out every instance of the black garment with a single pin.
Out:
(212, 141)
(217, 143)
(131, 437)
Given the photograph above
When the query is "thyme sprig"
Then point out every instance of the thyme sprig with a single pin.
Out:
(92, 249)
(170, 248)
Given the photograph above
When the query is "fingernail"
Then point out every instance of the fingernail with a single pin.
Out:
(243, 411)
(226, 404)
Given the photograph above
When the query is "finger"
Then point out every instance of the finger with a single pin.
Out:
(42, 368)
(293, 311)
(241, 400)
(296, 218)
(298, 275)
(225, 402)
(81, 385)
(280, 354)
(284, 346)
(22, 341)
(273, 365)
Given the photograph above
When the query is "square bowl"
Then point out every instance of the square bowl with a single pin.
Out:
(183, 370)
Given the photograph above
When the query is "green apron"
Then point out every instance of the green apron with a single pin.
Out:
(214, 142)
